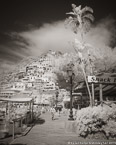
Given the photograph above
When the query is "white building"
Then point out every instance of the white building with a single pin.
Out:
(49, 86)
(19, 86)
(42, 72)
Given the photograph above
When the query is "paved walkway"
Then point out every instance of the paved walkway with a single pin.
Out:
(48, 132)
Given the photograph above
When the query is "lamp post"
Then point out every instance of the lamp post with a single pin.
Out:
(56, 99)
(70, 74)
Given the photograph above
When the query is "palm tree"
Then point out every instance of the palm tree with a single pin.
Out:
(80, 21)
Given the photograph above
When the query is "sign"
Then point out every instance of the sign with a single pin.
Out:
(92, 79)
(101, 79)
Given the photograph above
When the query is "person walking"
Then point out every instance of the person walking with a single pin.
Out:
(52, 110)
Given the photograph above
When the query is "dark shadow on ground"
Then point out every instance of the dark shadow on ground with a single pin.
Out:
(4, 143)
(55, 118)
(6, 140)
(18, 144)
(39, 121)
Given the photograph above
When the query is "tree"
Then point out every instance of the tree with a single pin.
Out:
(81, 19)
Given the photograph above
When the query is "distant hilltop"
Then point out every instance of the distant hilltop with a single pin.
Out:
(23, 64)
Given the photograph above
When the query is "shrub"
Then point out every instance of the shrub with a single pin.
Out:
(97, 119)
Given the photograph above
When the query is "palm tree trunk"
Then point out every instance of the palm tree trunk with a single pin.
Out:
(90, 97)
(84, 73)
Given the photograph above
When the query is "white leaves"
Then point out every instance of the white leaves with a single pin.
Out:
(87, 9)
(80, 55)
(77, 10)
(71, 13)
(73, 6)
(79, 45)
(96, 119)
(81, 18)
(73, 23)
(88, 17)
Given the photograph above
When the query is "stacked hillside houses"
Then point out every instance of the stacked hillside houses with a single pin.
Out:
(38, 77)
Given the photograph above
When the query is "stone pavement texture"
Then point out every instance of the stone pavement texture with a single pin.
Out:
(48, 132)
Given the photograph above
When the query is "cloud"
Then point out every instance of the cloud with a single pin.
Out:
(102, 36)
(49, 37)
(10, 55)
(54, 36)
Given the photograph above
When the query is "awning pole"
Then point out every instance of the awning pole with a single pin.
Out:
(101, 94)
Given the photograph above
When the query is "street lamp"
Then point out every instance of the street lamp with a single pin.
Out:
(70, 74)
(56, 99)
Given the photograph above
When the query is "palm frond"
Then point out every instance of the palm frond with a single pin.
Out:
(86, 24)
(88, 16)
(80, 19)
(86, 9)
(68, 21)
(77, 9)
(74, 26)
(70, 13)
(73, 6)
(73, 23)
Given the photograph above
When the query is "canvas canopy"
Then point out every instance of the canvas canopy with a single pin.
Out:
(16, 99)
(108, 88)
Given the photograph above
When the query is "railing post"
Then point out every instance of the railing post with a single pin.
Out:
(13, 131)
(21, 124)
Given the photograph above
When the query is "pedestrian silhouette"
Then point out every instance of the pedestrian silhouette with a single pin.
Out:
(52, 110)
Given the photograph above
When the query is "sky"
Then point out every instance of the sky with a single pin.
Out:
(32, 27)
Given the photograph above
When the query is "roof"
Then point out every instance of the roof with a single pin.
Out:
(109, 89)
(16, 99)
(20, 95)
(7, 91)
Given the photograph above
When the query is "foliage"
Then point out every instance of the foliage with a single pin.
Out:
(80, 18)
(101, 63)
(97, 119)
(17, 111)
(81, 21)
(67, 105)
(102, 59)
(60, 70)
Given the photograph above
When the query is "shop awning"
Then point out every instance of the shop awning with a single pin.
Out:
(109, 89)
(16, 99)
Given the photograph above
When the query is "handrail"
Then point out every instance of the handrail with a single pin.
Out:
(16, 120)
